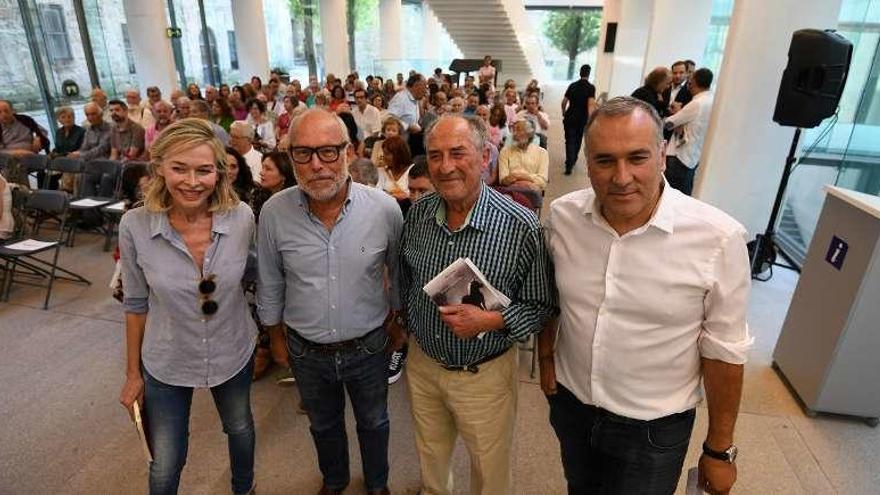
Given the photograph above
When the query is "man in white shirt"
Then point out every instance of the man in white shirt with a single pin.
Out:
(653, 290)
(241, 135)
(366, 116)
(689, 126)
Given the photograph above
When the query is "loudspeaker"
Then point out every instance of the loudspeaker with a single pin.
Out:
(610, 37)
(818, 63)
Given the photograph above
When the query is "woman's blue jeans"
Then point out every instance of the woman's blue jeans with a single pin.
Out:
(167, 415)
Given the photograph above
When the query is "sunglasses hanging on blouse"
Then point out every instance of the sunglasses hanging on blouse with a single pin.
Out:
(207, 286)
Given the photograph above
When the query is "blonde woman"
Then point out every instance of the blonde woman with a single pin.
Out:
(183, 258)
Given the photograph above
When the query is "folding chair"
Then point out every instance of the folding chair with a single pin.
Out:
(100, 178)
(4, 162)
(21, 254)
(64, 165)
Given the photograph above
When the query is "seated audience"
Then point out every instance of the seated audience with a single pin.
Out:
(19, 134)
(200, 109)
(241, 136)
(126, 137)
(264, 130)
(397, 160)
(181, 108)
(162, 111)
(96, 141)
(498, 129)
(138, 111)
(523, 165)
(221, 113)
(337, 97)
(236, 103)
(540, 120)
(239, 174)
(69, 136)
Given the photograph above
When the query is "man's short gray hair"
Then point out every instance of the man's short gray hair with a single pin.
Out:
(365, 172)
(476, 125)
(241, 128)
(296, 121)
(622, 106)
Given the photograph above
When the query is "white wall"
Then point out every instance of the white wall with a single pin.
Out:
(620, 73)
(334, 34)
(745, 150)
(677, 33)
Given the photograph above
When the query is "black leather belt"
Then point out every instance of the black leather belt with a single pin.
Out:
(350, 345)
(475, 366)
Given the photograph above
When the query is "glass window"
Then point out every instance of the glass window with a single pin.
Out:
(129, 54)
(55, 32)
(233, 50)
(210, 57)
(716, 40)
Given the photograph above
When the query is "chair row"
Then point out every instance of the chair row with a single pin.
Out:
(98, 177)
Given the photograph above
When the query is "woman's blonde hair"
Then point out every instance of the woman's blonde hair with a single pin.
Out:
(181, 136)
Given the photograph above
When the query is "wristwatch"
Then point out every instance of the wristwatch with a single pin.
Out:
(728, 456)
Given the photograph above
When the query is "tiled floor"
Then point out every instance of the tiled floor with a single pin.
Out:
(62, 430)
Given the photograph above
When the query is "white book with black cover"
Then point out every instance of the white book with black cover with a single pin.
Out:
(463, 283)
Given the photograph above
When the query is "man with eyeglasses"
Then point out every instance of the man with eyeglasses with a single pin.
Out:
(324, 248)
(241, 135)
(365, 115)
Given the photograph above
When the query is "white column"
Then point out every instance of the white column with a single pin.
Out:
(677, 33)
(334, 36)
(390, 13)
(430, 33)
(153, 56)
(619, 73)
(250, 37)
(743, 156)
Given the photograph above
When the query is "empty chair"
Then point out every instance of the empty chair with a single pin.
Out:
(72, 167)
(20, 257)
(34, 166)
(100, 178)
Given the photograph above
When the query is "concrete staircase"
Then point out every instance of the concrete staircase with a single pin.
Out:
(498, 28)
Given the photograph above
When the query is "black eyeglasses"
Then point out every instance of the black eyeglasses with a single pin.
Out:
(327, 154)
(207, 286)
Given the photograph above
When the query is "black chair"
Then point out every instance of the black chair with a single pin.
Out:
(4, 162)
(65, 165)
(35, 166)
(22, 253)
(100, 178)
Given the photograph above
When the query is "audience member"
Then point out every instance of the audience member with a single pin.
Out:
(391, 127)
(221, 114)
(162, 111)
(511, 104)
(193, 92)
(68, 137)
(457, 105)
(624, 377)
(577, 105)
(364, 172)
(134, 184)
(182, 106)
(656, 83)
(419, 180)
(487, 72)
(365, 115)
(689, 127)
(211, 95)
(394, 173)
(264, 130)
(276, 174)
(126, 136)
(96, 141)
(154, 95)
(337, 97)
(200, 109)
(236, 103)
(522, 164)
(138, 112)
(239, 174)
(498, 129)
(336, 343)
(187, 321)
(540, 120)
(462, 372)
(472, 102)
(100, 98)
(241, 137)
(405, 104)
(19, 134)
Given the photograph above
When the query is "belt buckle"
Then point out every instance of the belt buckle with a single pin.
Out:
(472, 368)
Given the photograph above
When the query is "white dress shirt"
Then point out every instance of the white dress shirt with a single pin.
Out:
(254, 159)
(694, 119)
(638, 311)
(368, 122)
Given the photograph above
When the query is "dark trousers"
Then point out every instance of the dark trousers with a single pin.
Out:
(679, 175)
(603, 453)
(323, 379)
(574, 136)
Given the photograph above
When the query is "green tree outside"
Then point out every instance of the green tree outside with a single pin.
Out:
(573, 33)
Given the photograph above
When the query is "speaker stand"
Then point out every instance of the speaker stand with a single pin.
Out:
(763, 249)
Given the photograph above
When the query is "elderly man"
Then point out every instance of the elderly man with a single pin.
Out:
(138, 111)
(523, 164)
(540, 120)
(182, 106)
(99, 97)
(96, 143)
(211, 94)
(162, 111)
(653, 288)
(241, 135)
(462, 370)
(127, 137)
(18, 135)
(324, 249)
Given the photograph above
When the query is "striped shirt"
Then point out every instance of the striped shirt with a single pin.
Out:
(506, 243)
